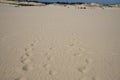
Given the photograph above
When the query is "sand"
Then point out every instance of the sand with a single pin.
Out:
(59, 43)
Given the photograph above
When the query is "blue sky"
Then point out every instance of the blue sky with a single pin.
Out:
(97, 1)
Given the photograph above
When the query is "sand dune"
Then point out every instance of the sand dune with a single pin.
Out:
(59, 43)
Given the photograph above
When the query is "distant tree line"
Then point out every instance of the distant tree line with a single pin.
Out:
(22, 0)
(70, 3)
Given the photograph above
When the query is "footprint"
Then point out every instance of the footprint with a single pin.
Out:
(24, 57)
(46, 66)
(25, 61)
(28, 54)
(46, 54)
(71, 44)
(52, 73)
(81, 49)
(27, 49)
(77, 54)
(20, 78)
(27, 67)
(82, 69)
(30, 48)
(32, 44)
(87, 61)
(49, 58)
(50, 48)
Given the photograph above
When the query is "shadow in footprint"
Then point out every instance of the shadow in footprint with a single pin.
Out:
(27, 67)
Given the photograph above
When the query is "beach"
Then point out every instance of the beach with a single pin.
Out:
(57, 42)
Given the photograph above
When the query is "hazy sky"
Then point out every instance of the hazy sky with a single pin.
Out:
(98, 1)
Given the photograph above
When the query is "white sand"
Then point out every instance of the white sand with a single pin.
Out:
(59, 43)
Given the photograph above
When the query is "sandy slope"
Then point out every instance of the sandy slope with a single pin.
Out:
(59, 43)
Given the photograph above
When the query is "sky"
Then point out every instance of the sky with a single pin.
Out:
(96, 1)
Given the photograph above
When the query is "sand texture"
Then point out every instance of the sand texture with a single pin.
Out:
(59, 43)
